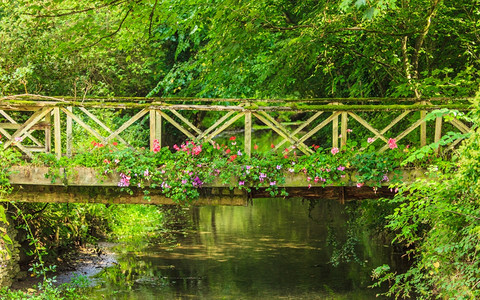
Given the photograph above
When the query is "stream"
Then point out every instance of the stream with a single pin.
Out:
(274, 249)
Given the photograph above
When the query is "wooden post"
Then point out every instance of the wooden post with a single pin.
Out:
(153, 125)
(69, 129)
(158, 127)
(57, 132)
(344, 129)
(248, 134)
(155, 128)
(335, 132)
(48, 133)
(423, 127)
(438, 132)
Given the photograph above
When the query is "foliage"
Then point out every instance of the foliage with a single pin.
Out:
(47, 290)
(240, 49)
(437, 220)
(180, 174)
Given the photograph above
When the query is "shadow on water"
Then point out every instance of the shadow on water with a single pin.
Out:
(276, 248)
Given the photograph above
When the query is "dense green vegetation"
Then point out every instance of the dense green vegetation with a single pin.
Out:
(262, 49)
(240, 48)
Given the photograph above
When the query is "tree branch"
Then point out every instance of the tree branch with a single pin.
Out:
(421, 37)
(74, 12)
(151, 18)
(355, 28)
(113, 33)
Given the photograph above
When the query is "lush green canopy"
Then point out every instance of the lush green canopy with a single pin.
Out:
(231, 48)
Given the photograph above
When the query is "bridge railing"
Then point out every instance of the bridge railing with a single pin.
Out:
(31, 122)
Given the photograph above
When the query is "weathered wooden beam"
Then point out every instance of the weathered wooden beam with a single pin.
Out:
(438, 132)
(300, 128)
(404, 133)
(155, 128)
(69, 133)
(159, 128)
(186, 121)
(177, 125)
(127, 124)
(115, 195)
(224, 126)
(423, 127)
(318, 127)
(368, 126)
(248, 134)
(37, 116)
(57, 132)
(282, 131)
(11, 120)
(461, 126)
(293, 107)
(344, 129)
(48, 133)
(38, 126)
(26, 97)
(99, 122)
(19, 145)
(215, 125)
(84, 125)
(335, 132)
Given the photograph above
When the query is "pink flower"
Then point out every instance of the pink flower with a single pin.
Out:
(341, 168)
(156, 146)
(370, 140)
(359, 185)
(335, 150)
(124, 180)
(241, 183)
(349, 130)
(392, 143)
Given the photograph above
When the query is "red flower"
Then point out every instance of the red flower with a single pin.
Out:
(232, 138)
(115, 143)
(232, 158)
(255, 147)
(272, 145)
(228, 151)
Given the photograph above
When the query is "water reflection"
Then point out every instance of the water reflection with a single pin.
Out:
(277, 248)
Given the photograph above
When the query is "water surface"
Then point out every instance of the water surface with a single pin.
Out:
(274, 249)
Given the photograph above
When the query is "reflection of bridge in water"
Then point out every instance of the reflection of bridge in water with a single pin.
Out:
(46, 124)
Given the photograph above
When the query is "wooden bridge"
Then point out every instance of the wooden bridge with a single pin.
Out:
(21, 117)
(46, 124)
